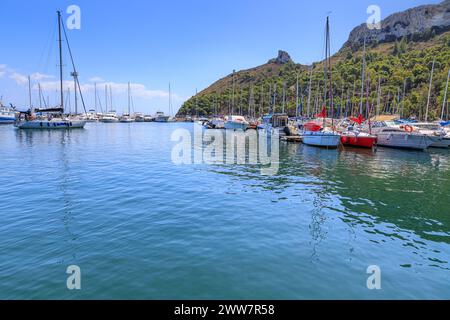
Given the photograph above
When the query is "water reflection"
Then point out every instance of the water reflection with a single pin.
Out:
(61, 143)
(394, 194)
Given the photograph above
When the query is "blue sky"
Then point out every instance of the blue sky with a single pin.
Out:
(189, 43)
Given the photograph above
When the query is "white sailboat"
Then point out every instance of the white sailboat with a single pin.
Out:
(52, 118)
(321, 136)
(235, 122)
(127, 118)
(109, 116)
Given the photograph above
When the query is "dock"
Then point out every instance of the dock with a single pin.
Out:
(293, 139)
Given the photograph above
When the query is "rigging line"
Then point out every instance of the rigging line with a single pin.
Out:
(74, 68)
(47, 48)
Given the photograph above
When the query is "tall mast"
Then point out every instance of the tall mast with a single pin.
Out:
(378, 96)
(296, 100)
(284, 97)
(330, 71)
(429, 90)
(261, 108)
(309, 91)
(129, 101)
(29, 92)
(445, 96)
(111, 98)
(74, 74)
(40, 95)
(232, 96)
(106, 98)
(60, 61)
(363, 76)
(170, 100)
(403, 98)
(95, 96)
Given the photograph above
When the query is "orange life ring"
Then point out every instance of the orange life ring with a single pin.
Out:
(408, 128)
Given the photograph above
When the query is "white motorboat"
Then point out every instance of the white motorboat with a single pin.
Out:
(126, 118)
(435, 132)
(236, 123)
(110, 117)
(139, 117)
(7, 115)
(148, 118)
(391, 135)
(160, 117)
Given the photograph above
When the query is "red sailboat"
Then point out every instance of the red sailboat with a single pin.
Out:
(356, 138)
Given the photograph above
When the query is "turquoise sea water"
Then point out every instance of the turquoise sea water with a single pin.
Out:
(110, 200)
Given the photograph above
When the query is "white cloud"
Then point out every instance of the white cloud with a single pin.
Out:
(2, 73)
(18, 78)
(37, 76)
(96, 79)
(137, 90)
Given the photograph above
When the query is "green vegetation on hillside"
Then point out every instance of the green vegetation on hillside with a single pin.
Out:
(402, 68)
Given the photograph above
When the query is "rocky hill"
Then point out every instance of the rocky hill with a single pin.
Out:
(399, 59)
(414, 24)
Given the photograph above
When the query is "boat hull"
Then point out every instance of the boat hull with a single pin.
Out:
(233, 125)
(358, 141)
(51, 125)
(109, 120)
(321, 139)
(7, 120)
(403, 141)
(161, 119)
(442, 143)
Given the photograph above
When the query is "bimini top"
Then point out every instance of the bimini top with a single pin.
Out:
(386, 117)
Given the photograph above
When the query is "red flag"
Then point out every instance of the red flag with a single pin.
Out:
(323, 114)
(358, 120)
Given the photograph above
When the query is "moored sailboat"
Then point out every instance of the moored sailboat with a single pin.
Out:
(321, 135)
(51, 118)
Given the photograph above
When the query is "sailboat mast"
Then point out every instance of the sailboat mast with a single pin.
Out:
(95, 96)
(129, 102)
(40, 96)
(445, 96)
(106, 98)
(330, 71)
(29, 92)
(429, 90)
(296, 100)
(261, 108)
(309, 92)
(363, 76)
(60, 61)
(170, 100)
(378, 96)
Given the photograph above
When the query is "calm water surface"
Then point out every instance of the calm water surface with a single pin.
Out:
(109, 200)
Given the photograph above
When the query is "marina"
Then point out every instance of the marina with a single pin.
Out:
(325, 217)
(161, 159)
